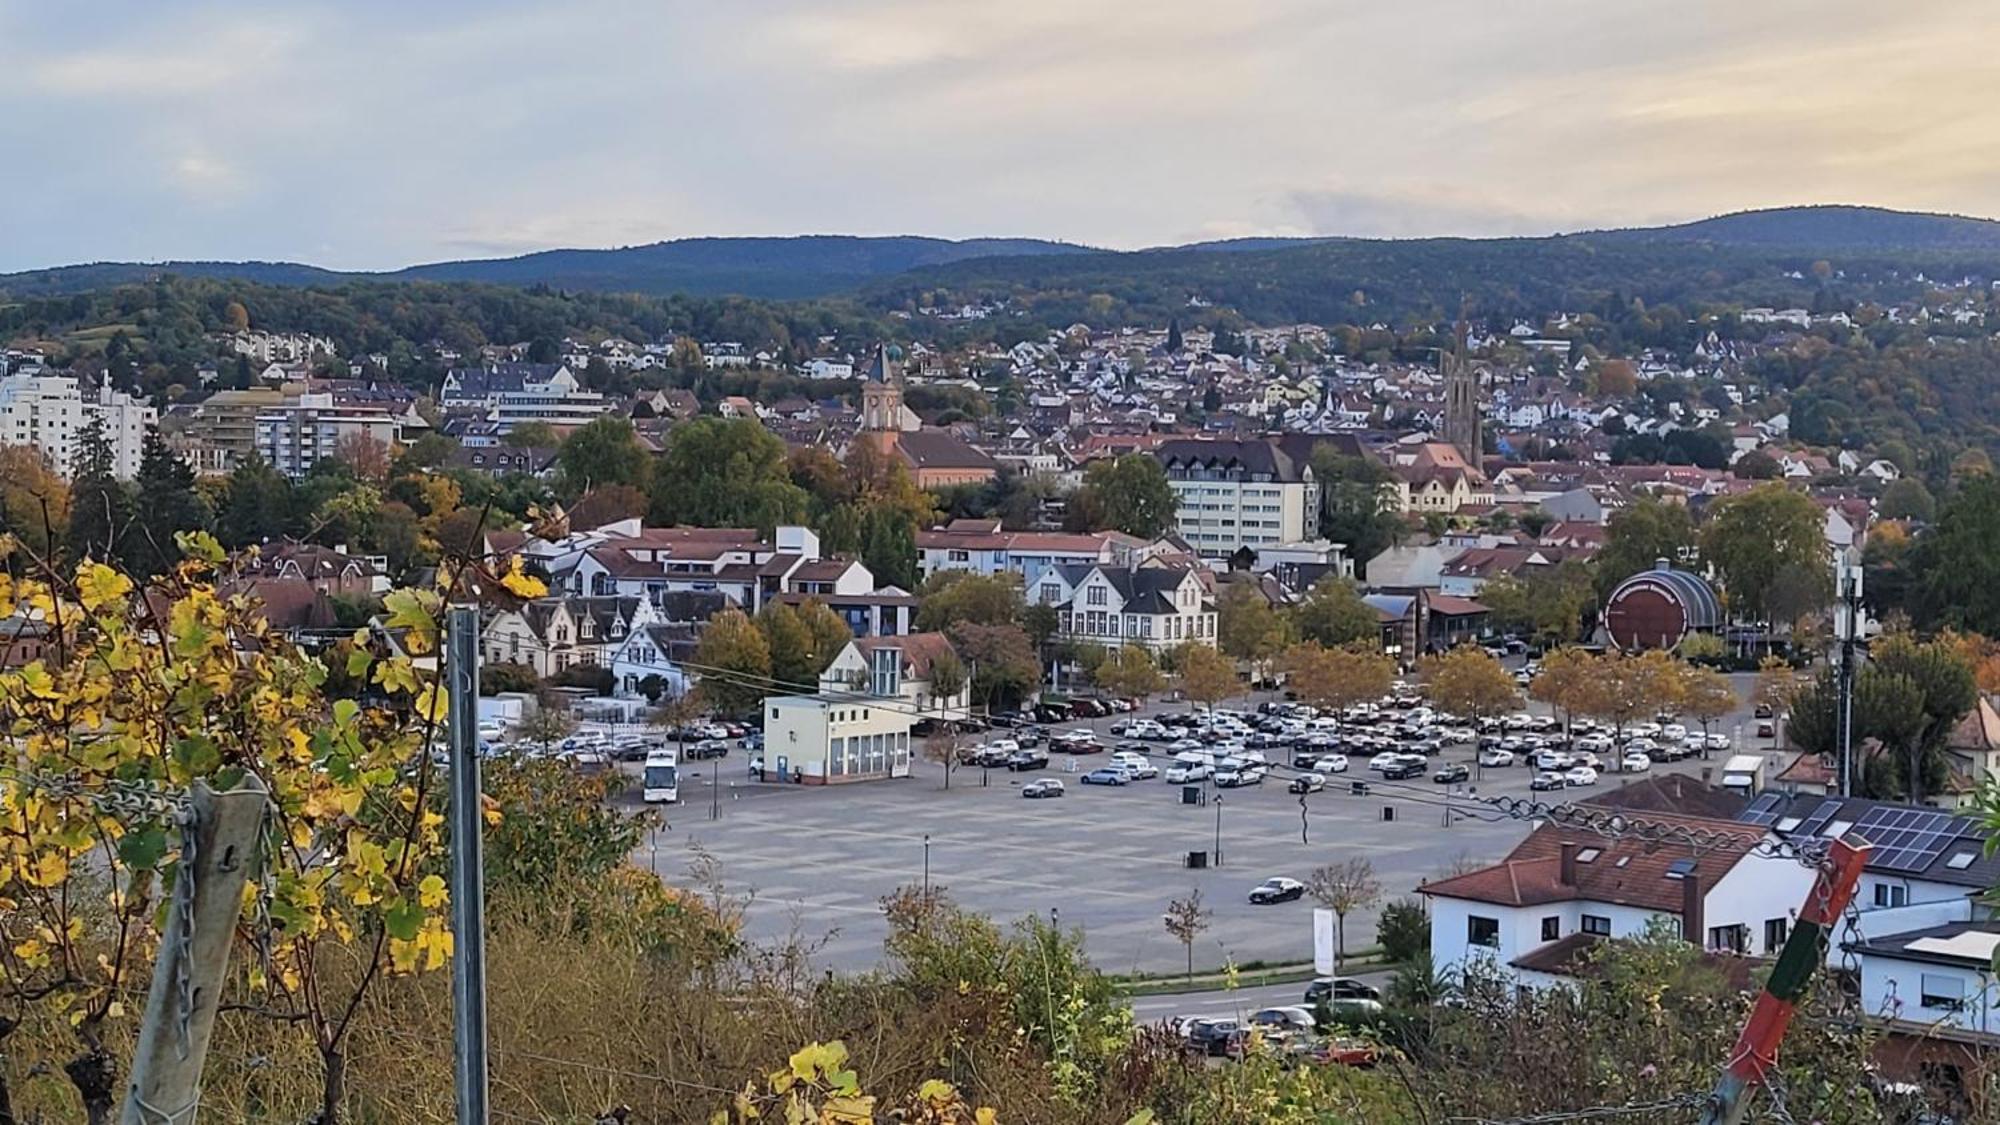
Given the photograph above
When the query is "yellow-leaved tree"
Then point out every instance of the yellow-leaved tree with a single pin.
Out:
(115, 700)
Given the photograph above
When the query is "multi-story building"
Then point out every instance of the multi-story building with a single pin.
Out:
(222, 432)
(310, 428)
(1239, 493)
(983, 547)
(1157, 607)
(51, 413)
(510, 394)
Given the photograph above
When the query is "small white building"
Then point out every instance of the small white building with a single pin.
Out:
(834, 739)
(858, 667)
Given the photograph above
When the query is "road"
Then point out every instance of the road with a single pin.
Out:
(1231, 1002)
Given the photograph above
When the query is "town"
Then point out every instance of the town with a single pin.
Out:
(1498, 648)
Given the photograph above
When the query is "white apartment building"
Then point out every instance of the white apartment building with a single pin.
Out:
(1156, 607)
(513, 393)
(50, 413)
(309, 428)
(1236, 494)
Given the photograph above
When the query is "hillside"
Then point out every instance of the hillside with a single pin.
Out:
(778, 268)
(1830, 227)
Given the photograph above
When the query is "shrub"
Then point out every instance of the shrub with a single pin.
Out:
(1405, 930)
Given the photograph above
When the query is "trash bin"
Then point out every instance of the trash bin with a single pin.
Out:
(1388, 812)
(1190, 794)
(1197, 859)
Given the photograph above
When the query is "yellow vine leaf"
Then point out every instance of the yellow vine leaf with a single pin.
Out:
(97, 584)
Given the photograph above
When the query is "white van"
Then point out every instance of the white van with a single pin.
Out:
(1190, 766)
(1744, 773)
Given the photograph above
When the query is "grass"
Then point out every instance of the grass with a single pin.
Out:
(1250, 974)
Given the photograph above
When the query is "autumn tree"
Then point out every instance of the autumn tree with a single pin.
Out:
(1207, 677)
(1769, 547)
(1129, 494)
(364, 454)
(733, 662)
(1247, 627)
(1334, 679)
(1332, 613)
(1705, 696)
(1131, 672)
(1003, 661)
(1343, 888)
(1186, 919)
(1637, 536)
(952, 596)
(1566, 682)
(34, 500)
(1468, 681)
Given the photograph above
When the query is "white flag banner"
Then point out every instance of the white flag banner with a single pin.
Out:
(1323, 942)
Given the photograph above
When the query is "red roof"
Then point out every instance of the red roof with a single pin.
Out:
(1624, 872)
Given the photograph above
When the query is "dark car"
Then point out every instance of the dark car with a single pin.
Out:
(1277, 889)
(1089, 708)
(1027, 760)
(1763, 711)
(1403, 771)
(708, 748)
(1220, 1038)
(1340, 988)
(1451, 774)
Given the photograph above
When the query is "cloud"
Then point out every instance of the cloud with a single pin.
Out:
(395, 132)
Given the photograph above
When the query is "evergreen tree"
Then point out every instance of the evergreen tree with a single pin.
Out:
(889, 547)
(168, 504)
(259, 505)
(100, 506)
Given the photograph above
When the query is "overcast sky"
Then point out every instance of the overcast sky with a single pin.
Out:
(372, 134)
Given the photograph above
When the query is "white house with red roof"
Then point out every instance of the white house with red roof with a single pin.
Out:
(1562, 890)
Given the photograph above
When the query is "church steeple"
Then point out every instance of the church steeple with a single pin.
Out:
(882, 397)
(1462, 426)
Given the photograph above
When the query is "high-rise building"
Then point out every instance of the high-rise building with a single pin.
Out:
(51, 412)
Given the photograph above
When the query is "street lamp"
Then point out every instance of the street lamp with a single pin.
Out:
(927, 864)
(1218, 830)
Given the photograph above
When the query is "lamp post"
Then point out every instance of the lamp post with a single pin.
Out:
(1218, 830)
(927, 864)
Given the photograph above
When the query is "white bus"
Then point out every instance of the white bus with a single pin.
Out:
(662, 780)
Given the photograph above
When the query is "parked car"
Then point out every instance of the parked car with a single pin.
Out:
(1635, 763)
(1330, 763)
(1343, 1052)
(1284, 1021)
(1763, 711)
(1307, 783)
(1138, 766)
(1580, 776)
(1545, 781)
(708, 748)
(1340, 988)
(1451, 774)
(1043, 787)
(1277, 889)
(1404, 769)
(1496, 757)
(1107, 775)
(1027, 760)
(1216, 1038)
(1232, 772)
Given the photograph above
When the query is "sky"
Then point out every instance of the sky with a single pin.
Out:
(364, 134)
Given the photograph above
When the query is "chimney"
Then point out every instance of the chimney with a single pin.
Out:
(1691, 919)
(1566, 867)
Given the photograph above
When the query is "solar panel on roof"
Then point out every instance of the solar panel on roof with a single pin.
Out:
(1909, 839)
(1764, 809)
(1819, 816)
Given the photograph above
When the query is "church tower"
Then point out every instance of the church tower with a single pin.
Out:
(882, 398)
(1462, 426)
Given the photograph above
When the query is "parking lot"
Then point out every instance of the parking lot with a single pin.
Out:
(814, 862)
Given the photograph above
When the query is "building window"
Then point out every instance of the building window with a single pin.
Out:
(1552, 927)
(1482, 931)
(1735, 939)
(1942, 991)
(1775, 932)
(1597, 924)
(1891, 895)
(1097, 596)
(1051, 593)
(959, 556)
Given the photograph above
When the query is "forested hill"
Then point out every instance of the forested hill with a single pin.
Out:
(781, 268)
(1828, 228)
(1744, 255)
